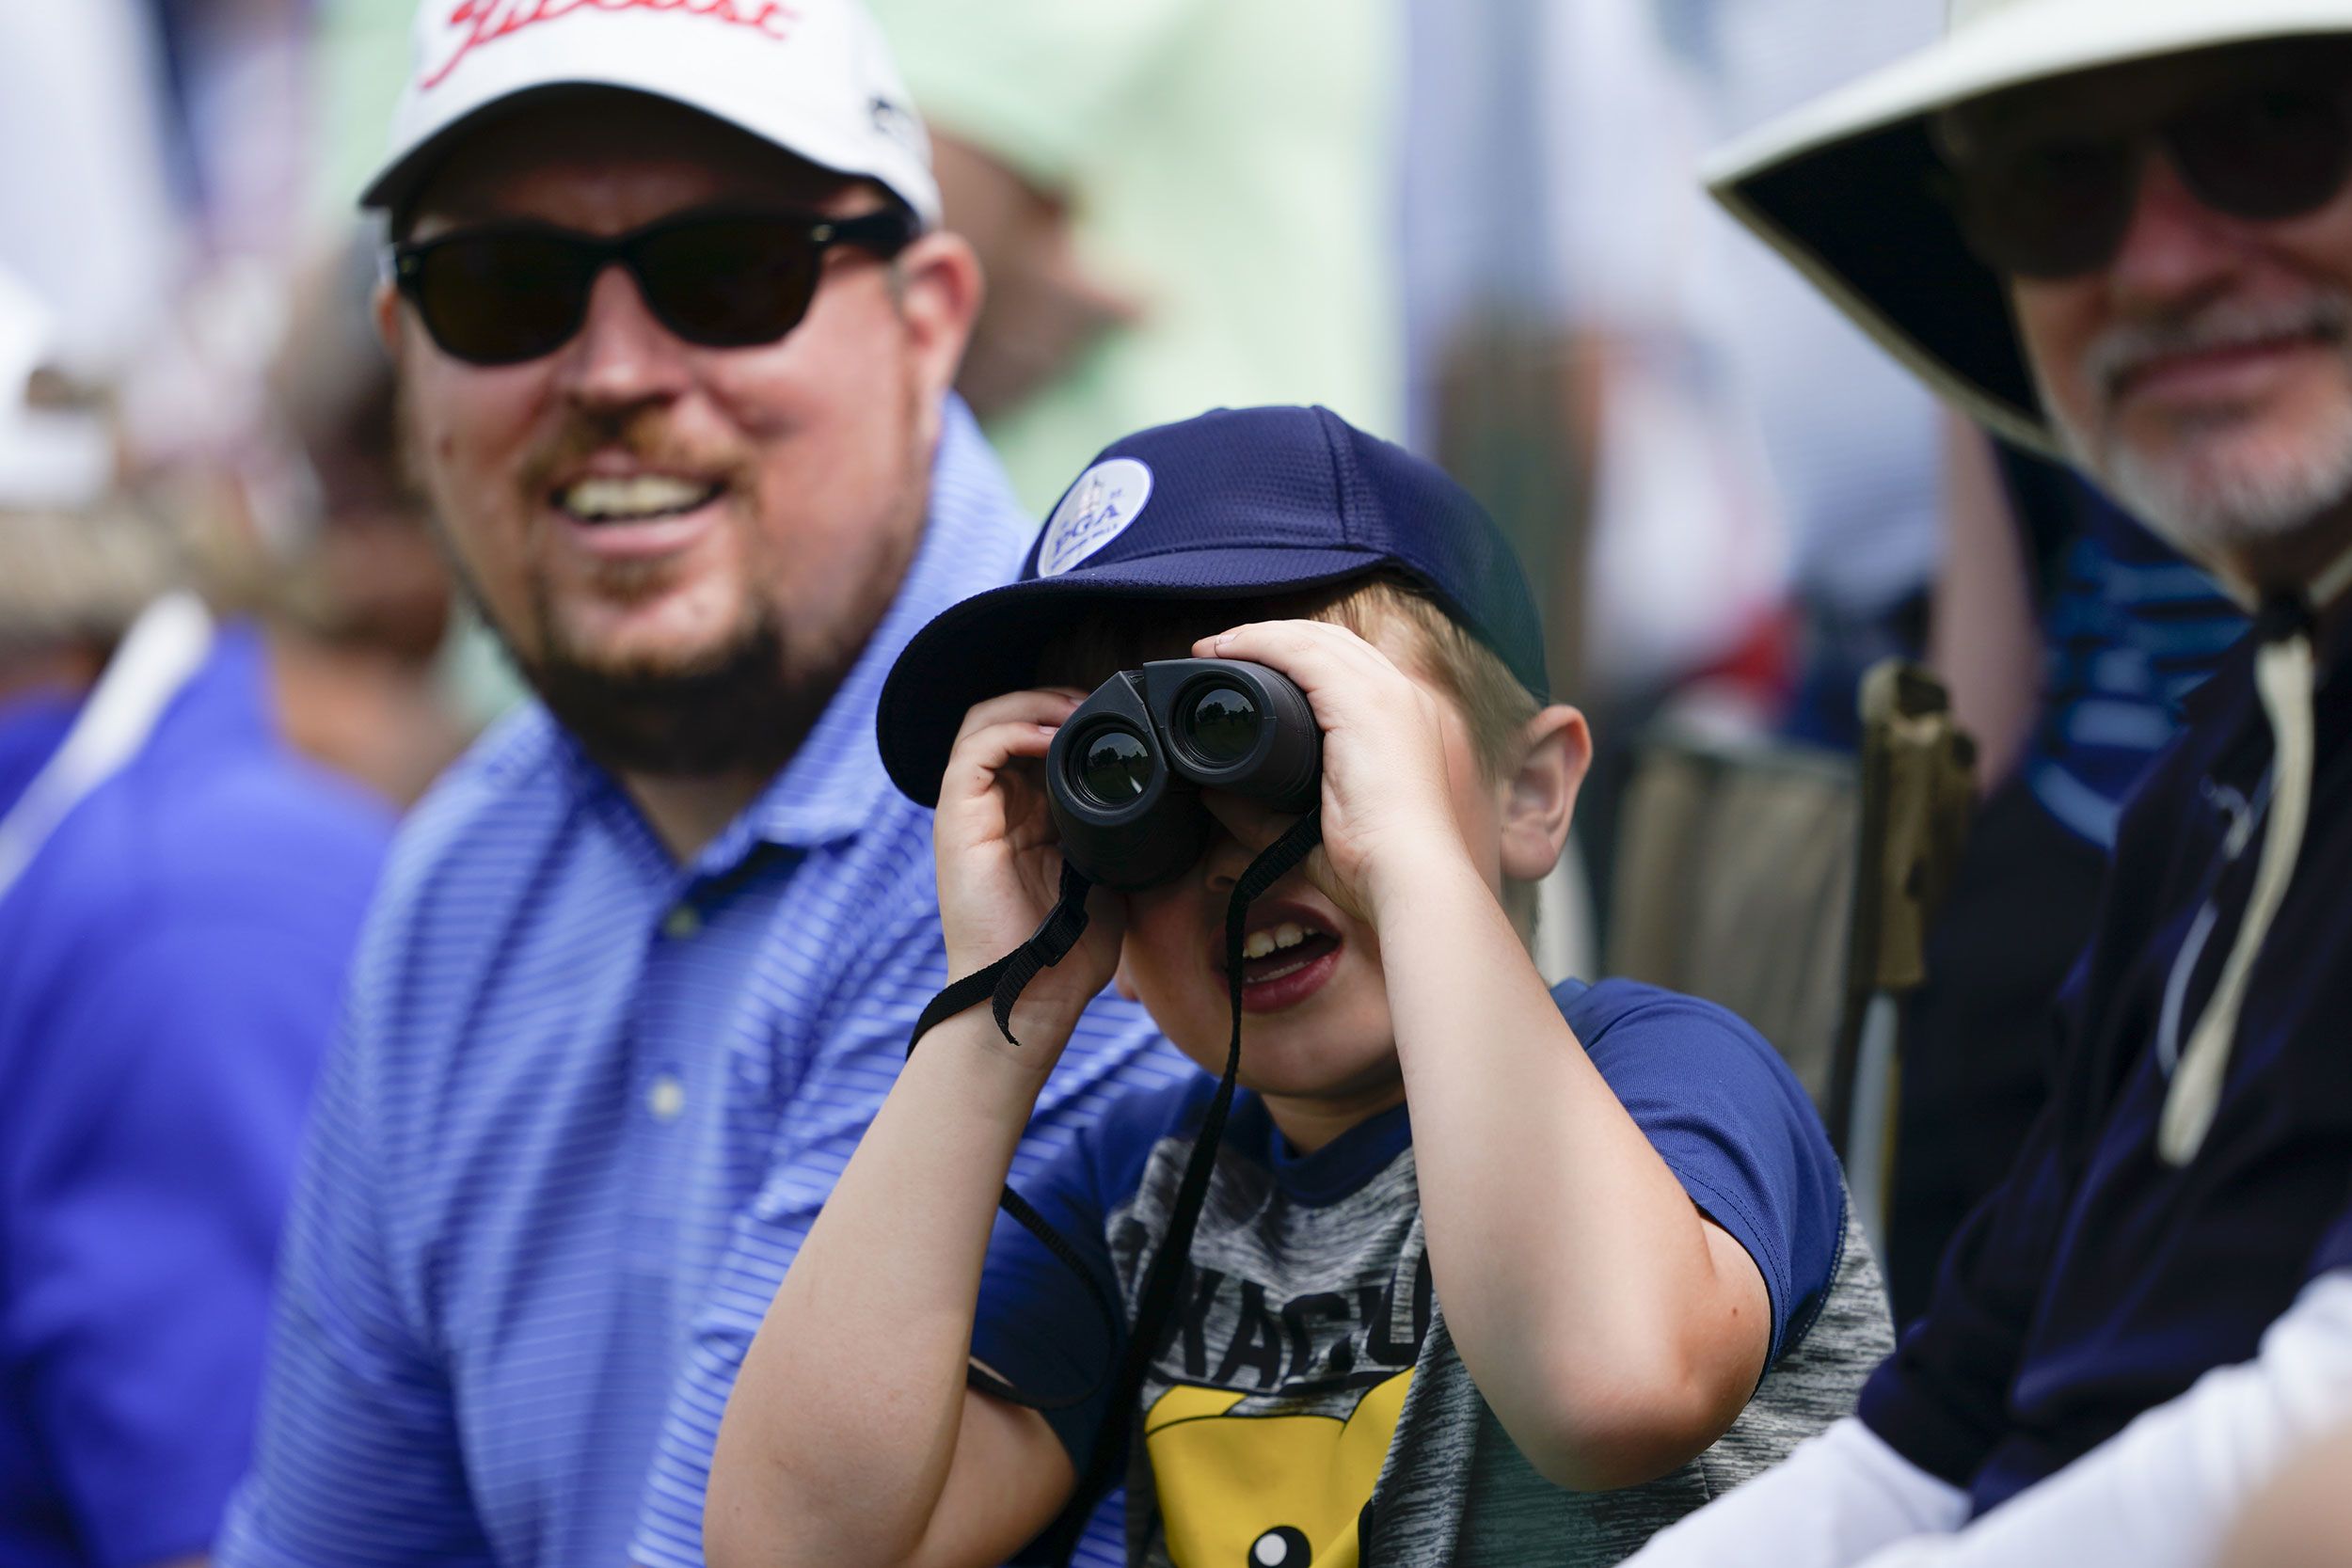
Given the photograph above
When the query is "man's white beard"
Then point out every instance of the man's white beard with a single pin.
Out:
(2209, 492)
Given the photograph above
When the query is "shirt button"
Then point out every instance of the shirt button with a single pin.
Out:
(665, 1098)
(681, 922)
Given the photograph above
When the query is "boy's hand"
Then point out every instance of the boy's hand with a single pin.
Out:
(999, 861)
(1387, 802)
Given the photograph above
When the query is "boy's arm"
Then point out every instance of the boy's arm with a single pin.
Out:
(850, 1436)
(1614, 1329)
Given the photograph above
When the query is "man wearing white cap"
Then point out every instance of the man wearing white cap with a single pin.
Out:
(674, 327)
(2121, 230)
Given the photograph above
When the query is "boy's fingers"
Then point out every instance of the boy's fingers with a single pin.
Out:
(983, 755)
(1045, 705)
(1268, 636)
(985, 751)
(1309, 652)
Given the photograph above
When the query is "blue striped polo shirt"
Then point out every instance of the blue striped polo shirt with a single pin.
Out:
(585, 1104)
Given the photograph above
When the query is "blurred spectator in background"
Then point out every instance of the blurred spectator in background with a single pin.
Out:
(675, 329)
(1557, 357)
(1558, 367)
(179, 897)
(361, 598)
(1179, 204)
(1852, 444)
(155, 201)
(1726, 492)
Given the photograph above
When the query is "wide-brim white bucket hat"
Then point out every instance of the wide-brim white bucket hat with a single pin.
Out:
(1844, 186)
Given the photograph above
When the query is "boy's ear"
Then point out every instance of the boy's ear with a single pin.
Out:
(1539, 796)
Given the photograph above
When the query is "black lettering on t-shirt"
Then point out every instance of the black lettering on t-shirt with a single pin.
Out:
(1297, 1318)
(1257, 1343)
(1191, 1320)
(1379, 1310)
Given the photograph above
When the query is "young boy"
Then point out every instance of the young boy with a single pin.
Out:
(1526, 1325)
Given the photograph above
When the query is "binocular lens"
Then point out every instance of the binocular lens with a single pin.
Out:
(1115, 766)
(1221, 725)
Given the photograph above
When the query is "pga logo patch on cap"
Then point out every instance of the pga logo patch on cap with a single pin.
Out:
(1098, 509)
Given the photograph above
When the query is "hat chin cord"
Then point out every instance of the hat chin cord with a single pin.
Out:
(2285, 667)
(1002, 983)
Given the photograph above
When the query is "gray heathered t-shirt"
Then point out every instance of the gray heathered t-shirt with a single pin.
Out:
(1307, 1406)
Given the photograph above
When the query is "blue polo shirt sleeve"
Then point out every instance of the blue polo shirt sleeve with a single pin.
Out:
(1733, 1124)
(356, 1462)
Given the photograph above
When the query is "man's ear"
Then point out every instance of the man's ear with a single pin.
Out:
(384, 305)
(1539, 794)
(940, 290)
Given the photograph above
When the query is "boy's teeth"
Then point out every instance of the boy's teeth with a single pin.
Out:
(637, 496)
(1261, 943)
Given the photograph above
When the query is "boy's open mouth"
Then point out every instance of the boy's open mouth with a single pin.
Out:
(1284, 958)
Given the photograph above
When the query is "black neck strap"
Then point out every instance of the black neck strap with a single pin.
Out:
(1003, 982)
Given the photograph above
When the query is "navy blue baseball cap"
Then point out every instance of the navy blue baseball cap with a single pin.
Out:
(1238, 503)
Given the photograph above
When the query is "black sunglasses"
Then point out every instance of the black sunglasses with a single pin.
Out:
(503, 294)
(2060, 208)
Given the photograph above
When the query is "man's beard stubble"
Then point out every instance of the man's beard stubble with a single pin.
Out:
(738, 711)
(742, 708)
(2258, 489)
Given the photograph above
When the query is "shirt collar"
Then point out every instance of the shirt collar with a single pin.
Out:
(224, 706)
(974, 536)
(1340, 1168)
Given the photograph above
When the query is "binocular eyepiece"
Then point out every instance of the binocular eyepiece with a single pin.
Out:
(1125, 771)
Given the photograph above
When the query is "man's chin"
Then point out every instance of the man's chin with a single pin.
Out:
(733, 709)
(2212, 494)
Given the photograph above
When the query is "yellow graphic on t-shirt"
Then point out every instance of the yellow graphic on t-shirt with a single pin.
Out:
(1279, 1490)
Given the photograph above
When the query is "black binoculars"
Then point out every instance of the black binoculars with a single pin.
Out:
(1125, 771)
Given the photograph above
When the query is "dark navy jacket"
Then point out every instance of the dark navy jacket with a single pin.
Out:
(2097, 1281)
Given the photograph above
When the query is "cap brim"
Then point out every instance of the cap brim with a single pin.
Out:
(1842, 186)
(990, 643)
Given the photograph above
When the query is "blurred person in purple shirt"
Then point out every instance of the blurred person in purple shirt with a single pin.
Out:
(179, 898)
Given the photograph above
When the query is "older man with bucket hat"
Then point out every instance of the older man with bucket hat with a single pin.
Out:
(2121, 231)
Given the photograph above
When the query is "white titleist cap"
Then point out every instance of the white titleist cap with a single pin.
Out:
(812, 76)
